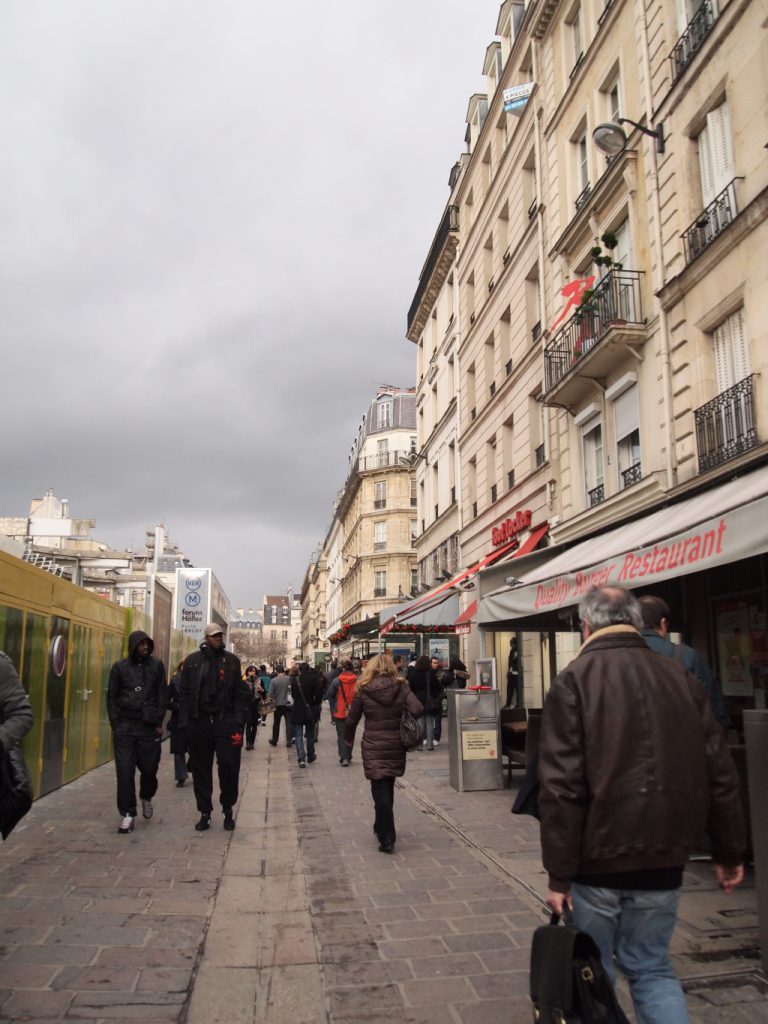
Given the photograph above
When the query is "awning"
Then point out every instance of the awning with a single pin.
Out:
(463, 623)
(725, 524)
(442, 611)
(413, 611)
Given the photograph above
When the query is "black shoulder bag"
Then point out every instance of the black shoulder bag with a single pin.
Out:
(15, 790)
(568, 980)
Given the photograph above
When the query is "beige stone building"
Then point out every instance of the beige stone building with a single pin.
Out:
(610, 340)
(314, 643)
(369, 553)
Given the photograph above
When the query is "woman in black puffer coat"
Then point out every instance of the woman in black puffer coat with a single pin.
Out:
(380, 698)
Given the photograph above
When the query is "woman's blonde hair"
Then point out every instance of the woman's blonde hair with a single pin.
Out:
(380, 665)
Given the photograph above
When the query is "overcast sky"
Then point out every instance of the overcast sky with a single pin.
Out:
(213, 219)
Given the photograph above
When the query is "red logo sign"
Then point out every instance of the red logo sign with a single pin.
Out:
(574, 292)
(510, 528)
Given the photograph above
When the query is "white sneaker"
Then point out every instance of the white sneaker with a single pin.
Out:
(146, 808)
(436, 742)
(126, 825)
(423, 744)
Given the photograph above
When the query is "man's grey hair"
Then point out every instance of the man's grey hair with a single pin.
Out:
(610, 606)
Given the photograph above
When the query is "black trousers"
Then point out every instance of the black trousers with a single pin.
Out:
(251, 724)
(282, 712)
(206, 736)
(383, 793)
(136, 745)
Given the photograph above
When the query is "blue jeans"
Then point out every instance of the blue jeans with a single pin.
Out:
(299, 733)
(427, 723)
(635, 926)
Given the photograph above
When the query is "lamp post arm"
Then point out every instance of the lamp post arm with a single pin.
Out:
(656, 133)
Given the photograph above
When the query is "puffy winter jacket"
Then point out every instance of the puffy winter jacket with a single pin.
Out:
(381, 701)
(16, 717)
(137, 688)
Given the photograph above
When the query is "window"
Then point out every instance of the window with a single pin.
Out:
(385, 413)
(490, 470)
(471, 298)
(488, 263)
(380, 583)
(592, 451)
(413, 492)
(530, 192)
(452, 471)
(505, 342)
(414, 580)
(380, 496)
(471, 394)
(582, 162)
(577, 42)
(626, 420)
(285, 634)
(731, 352)
(382, 453)
(508, 453)
(614, 101)
(412, 443)
(536, 414)
(414, 532)
(380, 536)
(715, 155)
(490, 360)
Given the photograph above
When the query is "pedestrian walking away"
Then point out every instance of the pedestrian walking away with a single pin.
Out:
(656, 618)
(178, 736)
(137, 698)
(381, 696)
(307, 695)
(280, 691)
(266, 682)
(212, 707)
(634, 777)
(340, 695)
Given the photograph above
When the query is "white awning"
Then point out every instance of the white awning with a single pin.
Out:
(442, 611)
(723, 525)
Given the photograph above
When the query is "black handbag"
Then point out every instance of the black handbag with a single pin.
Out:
(569, 984)
(15, 790)
(411, 734)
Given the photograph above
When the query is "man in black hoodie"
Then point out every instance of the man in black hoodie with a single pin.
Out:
(213, 699)
(136, 703)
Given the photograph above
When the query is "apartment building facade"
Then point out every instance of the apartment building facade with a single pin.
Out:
(610, 337)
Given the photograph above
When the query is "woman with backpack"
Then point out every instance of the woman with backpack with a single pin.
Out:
(340, 695)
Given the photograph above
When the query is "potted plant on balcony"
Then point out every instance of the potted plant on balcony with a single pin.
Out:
(584, 319)
(606, 263)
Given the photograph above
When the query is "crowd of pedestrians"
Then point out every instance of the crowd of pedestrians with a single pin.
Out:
(633, 774)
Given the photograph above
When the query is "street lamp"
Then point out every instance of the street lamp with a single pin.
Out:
(611, 139)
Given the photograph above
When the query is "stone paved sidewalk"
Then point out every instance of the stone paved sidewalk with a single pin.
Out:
(295, 916)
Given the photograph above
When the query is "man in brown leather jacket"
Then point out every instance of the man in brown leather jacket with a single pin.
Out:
(634, 776)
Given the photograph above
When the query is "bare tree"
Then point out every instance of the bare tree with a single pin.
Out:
(250, 645)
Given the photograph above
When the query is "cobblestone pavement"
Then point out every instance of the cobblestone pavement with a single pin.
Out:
(296, 916)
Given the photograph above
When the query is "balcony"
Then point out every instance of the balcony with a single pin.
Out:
(691, 41)
(379, 591)
(711, 222)
(383, 460)
(380, 503)
(379, 545)
(593, 342)
(582, 197)
(631, 476)
(725, 427)
(596, 495)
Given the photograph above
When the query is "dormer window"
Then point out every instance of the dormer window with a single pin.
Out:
(384, 413)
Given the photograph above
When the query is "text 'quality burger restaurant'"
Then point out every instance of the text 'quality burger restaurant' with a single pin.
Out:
(705, 555)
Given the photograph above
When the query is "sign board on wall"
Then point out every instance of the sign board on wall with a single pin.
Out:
(516, 97)
(193, 601)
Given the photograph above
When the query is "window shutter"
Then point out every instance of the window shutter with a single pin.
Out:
(625, 413)
(706, 166)
(739, 346)
(731, 352)
(719, 131)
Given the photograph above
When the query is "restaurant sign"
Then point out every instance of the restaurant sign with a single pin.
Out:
(737, 534)
(511, 528)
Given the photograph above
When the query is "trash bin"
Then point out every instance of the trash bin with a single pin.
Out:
(756, 741)
(474, 751)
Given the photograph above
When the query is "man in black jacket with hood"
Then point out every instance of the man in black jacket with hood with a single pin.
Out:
(213, 699)
(136, 704)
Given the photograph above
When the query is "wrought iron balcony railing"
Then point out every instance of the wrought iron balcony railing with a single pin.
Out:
(596, 495)
(380, 503)
(691, 40)
(379, 545)
(379, 591)
(725, 427)
(616, 300)
(631, 476)
(713, 220)
(583, 196)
